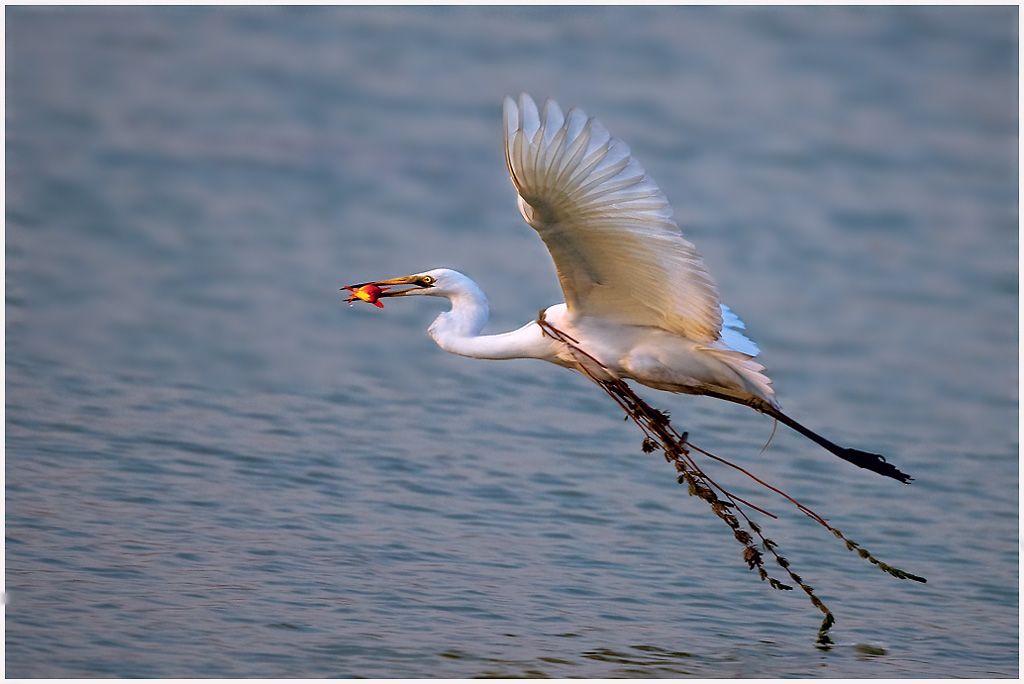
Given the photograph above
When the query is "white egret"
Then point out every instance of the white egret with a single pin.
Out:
(638, 297)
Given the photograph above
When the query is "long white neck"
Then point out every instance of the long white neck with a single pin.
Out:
(458, 330)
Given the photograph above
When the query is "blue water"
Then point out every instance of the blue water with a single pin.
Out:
(215, 468)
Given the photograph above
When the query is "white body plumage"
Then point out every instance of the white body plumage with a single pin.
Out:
(652, 356)
(638, 298)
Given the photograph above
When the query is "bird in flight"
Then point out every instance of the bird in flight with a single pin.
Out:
(638, 299)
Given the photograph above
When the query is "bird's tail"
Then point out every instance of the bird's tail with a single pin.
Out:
(863, 459)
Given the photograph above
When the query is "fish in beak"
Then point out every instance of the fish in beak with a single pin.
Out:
(368, 293)
(372, 292)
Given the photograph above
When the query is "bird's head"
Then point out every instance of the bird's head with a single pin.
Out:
(440, 282)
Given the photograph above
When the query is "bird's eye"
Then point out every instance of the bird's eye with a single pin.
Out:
(427, 280)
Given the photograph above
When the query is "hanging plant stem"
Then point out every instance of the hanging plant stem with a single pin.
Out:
(660, 434)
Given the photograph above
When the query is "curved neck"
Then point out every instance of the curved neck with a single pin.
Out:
(458, 331)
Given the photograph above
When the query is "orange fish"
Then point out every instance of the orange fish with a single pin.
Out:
(368, 293)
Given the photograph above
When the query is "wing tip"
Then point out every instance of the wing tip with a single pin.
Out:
(510, 116)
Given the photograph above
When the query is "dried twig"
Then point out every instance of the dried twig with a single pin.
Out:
(659, 434)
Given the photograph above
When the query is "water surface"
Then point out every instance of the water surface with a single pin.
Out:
(214, 468)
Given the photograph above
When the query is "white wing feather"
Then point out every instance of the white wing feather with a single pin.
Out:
(731, 335)
(618, 253)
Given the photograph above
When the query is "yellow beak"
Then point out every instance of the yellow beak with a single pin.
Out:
(385, 286)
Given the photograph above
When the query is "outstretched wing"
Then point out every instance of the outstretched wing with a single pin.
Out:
(618, 253)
